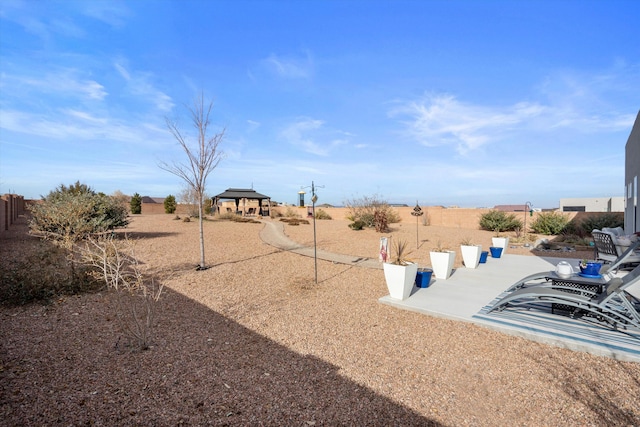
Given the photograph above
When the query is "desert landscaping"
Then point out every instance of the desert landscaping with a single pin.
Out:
(253, 340)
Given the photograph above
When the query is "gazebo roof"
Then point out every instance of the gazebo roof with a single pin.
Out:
(241, 193)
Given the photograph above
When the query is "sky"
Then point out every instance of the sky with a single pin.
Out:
(453, 103)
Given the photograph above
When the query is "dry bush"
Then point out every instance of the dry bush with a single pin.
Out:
(294, 221)
(116, 265)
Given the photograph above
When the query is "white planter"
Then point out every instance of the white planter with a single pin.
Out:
(471, 255)
(400, 279)
(500, 242)
(442, 263)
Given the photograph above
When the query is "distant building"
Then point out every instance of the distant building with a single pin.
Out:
(592, 204)
(511, 208)
(147, 199)
(631, 172)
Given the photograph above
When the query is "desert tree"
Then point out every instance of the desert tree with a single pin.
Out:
(170, 204)
(136, 204)
(203, 156)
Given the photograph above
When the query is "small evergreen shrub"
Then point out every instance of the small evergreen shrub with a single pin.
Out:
(136, 204)
(550, 223)
(499, 221)
(170, 204)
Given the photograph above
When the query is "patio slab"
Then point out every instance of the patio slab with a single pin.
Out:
(466, 295)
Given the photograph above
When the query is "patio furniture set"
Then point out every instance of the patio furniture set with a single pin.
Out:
(603, 297)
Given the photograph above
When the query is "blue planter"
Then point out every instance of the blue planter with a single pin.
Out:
(592, 268)
(483, 257)
(495, 252)
(423, 278)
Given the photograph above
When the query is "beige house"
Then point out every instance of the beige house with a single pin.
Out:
(632, 171)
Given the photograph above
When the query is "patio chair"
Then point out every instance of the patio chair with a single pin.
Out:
(607, 270)
(613, 305)
(607, 249)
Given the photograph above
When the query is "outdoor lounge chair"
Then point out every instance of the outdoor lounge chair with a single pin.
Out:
(607, 270)
(608, 250)
(613, 305)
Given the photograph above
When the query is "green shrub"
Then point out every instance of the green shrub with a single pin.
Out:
(597, 221)
(357, 225)
(499, 221)
(170, 204)
(136, 204)
(68, 214)
(321, 214)
(549, 223)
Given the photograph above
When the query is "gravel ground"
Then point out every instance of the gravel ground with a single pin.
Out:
(254, 341)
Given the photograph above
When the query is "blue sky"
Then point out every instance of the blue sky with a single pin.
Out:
(467, 103)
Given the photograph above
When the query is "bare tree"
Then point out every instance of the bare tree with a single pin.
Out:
(202, 158)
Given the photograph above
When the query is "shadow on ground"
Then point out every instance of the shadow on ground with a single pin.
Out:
(203, 369)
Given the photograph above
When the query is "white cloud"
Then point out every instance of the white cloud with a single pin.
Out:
(297, 135)
(78, 125)
(111, 12)
(290, 68)
(443, 120)
(139, 84)
(67, 82)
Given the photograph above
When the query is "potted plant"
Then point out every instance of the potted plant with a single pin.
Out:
(442, 261)
(400, 272)
(500, 242)
(470, 253)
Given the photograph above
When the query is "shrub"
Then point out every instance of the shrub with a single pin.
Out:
(593, 222)
(170, 204)
(365, 210)
(136, 204)
(41, 275)
(291, 213)
(321, 214)
(357, 225)
(380, 221)
(499, 221)
(549, 223)
(69, 214)
(114, 262)
(294, 221)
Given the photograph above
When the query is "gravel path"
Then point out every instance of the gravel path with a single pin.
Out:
(254, 341)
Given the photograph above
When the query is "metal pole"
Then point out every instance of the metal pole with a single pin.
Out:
(315, 250)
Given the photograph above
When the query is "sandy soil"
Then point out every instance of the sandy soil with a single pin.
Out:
(254, 341)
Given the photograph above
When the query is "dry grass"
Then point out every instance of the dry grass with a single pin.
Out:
(253, 341)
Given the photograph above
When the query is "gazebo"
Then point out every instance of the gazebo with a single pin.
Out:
(244, 194)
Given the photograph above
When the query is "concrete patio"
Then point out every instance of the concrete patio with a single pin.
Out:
(467, 291)
(464, 295)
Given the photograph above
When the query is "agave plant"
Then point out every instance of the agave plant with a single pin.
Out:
(401, 251)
